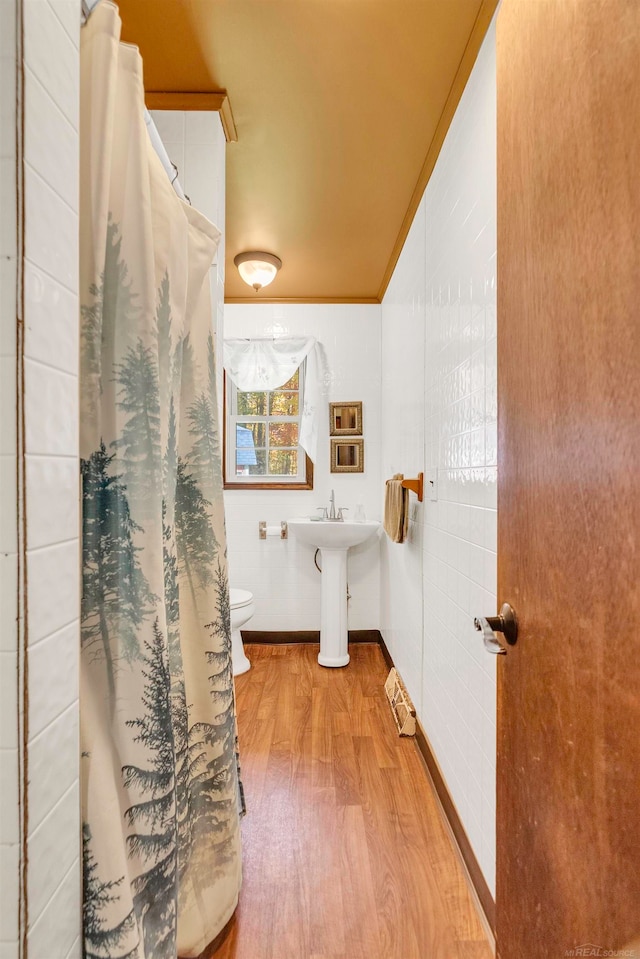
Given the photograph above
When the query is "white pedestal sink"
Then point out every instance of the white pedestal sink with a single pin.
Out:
(333, 539)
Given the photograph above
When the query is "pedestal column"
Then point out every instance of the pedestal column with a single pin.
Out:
(334, 635)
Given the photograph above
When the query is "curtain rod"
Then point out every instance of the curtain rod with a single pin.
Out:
(156, 140)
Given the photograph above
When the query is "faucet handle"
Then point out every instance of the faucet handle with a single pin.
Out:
(341, 510)
(324, 511)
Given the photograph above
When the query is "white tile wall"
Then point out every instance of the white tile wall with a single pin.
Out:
(9, 790)
(7, 78)
(281, 573)
(49, 144)
(403, 379)
(9, 866)
(196, 145)
(441, 303)
(48, 843)
(51, 54)
(51, 339)
(49, 403)
(53, 924)
(53, 663)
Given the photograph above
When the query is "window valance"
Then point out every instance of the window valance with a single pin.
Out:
(256, 365)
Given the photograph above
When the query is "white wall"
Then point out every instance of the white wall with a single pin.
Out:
(10, 820)
(281, 573)
(403, 383)
(442, 303)
(51, 110)
(196, 144)
(42, 452)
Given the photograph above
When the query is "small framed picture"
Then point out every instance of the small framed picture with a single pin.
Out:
(347, 456)
(345, 419)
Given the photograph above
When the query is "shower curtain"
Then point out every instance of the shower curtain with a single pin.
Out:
(161, 794)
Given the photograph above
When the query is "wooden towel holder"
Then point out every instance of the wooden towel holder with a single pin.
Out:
(416, 485)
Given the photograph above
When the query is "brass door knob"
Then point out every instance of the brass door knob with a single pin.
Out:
(498, 632)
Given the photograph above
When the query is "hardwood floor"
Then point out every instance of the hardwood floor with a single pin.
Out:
(345, 852)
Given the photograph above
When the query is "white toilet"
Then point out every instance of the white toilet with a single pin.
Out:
(242, 609)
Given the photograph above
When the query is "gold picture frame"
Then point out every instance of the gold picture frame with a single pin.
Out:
(347, 456)
(345, 419)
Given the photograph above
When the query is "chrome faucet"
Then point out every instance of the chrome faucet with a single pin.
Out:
(331, 516)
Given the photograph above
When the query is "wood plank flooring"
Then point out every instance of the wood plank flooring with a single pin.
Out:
(345, 852)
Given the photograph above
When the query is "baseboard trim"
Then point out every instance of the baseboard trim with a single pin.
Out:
(365, 636)
(288, 636)
(385, 652)
(476, 880)
(270, 637)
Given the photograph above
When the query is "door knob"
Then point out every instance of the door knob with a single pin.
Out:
(498, 632)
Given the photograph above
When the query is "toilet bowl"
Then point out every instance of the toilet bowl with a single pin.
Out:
(242, 609)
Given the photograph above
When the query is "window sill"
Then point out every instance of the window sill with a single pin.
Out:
(279, 486)
(307, 484)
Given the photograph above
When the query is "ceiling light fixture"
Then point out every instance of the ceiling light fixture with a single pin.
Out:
(257, 269)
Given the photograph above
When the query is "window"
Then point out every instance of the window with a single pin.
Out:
(261, 438)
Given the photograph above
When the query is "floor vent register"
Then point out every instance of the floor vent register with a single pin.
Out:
(402, 708)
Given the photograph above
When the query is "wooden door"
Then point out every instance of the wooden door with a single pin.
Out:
(568, 871)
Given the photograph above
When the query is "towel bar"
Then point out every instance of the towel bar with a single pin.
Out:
(416, 485)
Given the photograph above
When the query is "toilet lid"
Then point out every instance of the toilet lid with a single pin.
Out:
(240, 597)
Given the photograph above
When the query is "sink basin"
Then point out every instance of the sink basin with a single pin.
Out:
(327, 535)
(333, 540)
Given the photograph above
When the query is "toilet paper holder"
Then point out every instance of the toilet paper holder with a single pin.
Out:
(282, 530)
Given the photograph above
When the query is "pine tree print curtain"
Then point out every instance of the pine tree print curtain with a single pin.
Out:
(160, 785)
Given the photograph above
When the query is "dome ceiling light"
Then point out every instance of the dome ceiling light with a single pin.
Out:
(257, 269)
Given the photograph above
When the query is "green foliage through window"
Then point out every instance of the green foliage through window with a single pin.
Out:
(263, 430)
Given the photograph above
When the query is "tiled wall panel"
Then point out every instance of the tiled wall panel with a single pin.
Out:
(445, 280)
(460, 538)
(281, 573)
(51, 148)
(196, 145)
(9, 790)
(403, 380)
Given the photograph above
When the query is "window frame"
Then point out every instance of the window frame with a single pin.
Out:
(259, 482)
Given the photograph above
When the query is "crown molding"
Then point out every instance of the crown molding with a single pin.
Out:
(255, 300)
(216, 101)
(477, 35)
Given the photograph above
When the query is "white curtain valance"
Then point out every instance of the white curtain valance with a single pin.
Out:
(266, 364)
